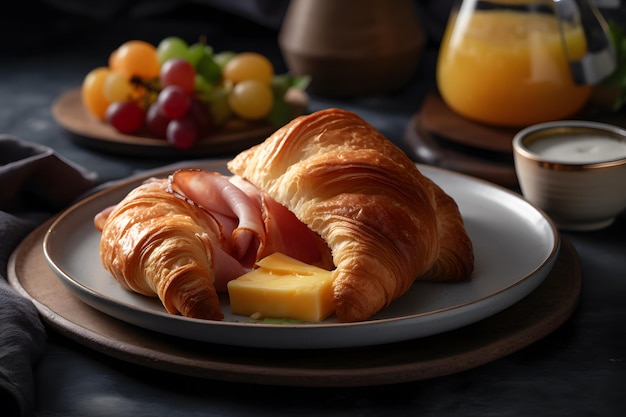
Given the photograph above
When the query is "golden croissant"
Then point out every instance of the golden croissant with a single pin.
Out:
(385, 223)
(157, 244)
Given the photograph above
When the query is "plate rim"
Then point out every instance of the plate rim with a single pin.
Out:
(94, 298)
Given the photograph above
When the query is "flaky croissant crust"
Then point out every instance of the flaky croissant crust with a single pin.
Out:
(385, 222)
(157, 244)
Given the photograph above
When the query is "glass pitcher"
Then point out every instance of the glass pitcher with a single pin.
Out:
(517, 63)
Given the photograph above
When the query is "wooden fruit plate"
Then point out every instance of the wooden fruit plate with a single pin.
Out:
(70, 113)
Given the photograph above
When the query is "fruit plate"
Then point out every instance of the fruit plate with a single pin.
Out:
(70, 113)
(515, 249)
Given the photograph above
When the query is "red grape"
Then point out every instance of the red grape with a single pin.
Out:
(156, 123)
(182, 133)
(200, 114)
(179, 72)
(125, 116)
(173, 102)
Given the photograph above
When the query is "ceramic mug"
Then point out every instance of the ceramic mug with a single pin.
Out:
(575, 171)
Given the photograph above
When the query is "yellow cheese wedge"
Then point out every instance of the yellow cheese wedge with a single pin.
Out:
(283, 288)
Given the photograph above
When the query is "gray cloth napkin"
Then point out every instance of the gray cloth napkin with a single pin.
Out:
(35, 183)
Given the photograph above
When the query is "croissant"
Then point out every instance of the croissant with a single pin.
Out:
(385, 223)
(157, 244)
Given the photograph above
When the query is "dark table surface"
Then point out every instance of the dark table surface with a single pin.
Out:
(578, 370)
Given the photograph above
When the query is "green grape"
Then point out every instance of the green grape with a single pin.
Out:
(197, 51)
(117, 87)
(222, 58)
(209, 69)
(218, 104)
(251, 99)
(248, 66)
(172, 47)
(202, 87)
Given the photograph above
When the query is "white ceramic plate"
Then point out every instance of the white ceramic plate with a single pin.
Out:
(515, 248)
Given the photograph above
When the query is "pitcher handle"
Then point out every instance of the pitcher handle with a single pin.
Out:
(600, 60)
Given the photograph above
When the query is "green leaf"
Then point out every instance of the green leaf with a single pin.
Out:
(281, 112)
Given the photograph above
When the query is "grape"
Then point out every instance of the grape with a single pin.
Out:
(248, 66)
(125, 116)
(201, 86)
(251, 99)
(172, 47)
(218, 104)
(180, 92)
(201, 116)
(173, 102)
(182, 133)
(136, 58)
(117, 87)
(113, 61)
(222, 58)
(197, 51)
(209, 69)
(179, 72)
(92, 92)
(156, 123)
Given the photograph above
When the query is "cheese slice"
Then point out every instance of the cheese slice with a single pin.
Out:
(283, 288)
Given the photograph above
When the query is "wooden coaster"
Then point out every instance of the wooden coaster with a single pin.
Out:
(527, 321)
(438, 119)
(436, 135)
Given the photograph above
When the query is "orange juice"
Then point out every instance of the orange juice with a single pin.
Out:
(509, 68)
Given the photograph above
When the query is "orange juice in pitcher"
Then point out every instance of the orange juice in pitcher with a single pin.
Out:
(510, 65)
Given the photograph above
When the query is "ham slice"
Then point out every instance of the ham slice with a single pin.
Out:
(257, 225)
(229, 205)
(284, 233)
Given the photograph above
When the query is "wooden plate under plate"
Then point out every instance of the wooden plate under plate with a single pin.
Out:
(69, 111)
(527, 321)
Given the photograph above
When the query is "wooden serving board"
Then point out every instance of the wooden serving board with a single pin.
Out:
(534, 317)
